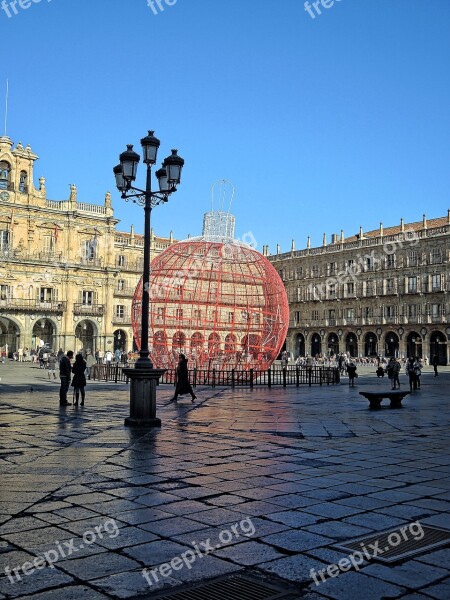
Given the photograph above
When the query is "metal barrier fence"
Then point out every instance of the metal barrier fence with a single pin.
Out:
(235, 378)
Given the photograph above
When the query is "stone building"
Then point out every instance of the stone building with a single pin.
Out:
(384, 292)
(67, 276)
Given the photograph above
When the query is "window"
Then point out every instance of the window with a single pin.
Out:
(368, 263)
(297, 317)
(299, 272)
(349, 265)
(390, 261)
(121, 285)
(179, 313)
(389, 311)
(4, 292)
(332, 268)
(198, 314)
(23, 187)
(121, 262)
(350, 286)
(315, 315)
(369, 288)
(389, 286)
(436, 311)
(5, 170)
(349, 313)
(160, 313)
(46, 294)
(230, 317)
(87, 298)
(412, 310)
(331, 314)
(256, 318)
(412, 258)
(332, 290)
(89, 249)
(120, 311)
(436, 283)
(436, 256)
(315, 270)
(4, 239)
(368, 312)
(49, 244)
(412, 285)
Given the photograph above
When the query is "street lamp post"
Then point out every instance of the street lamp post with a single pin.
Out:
(144, 377)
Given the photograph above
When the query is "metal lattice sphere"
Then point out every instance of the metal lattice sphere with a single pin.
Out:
(221, 303)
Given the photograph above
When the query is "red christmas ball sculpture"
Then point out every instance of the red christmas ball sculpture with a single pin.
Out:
(221, 304)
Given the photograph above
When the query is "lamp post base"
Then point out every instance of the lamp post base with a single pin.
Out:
(143, 397)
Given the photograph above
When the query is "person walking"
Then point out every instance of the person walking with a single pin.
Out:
(351, 370)
(79, 378)
(183, 385)
(393, 371)
(65, 372)
(435, 363)
(51, 365)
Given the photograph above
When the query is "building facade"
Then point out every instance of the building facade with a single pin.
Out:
(67, 275)
(384, 292)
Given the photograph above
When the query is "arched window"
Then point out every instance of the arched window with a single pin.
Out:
(23, 182)
(5, 172)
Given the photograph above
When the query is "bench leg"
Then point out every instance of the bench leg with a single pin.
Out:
(375, 403)
(396, 403)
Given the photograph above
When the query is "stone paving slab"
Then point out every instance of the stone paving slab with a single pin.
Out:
(260, 480)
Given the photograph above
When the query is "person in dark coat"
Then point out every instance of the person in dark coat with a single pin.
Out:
(183, 386)
(435, 363)
(79, 378)
(65, 369)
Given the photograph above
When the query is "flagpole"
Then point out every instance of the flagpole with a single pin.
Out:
(6, 104)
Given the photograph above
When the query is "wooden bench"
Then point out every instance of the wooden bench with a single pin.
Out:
(375, 398)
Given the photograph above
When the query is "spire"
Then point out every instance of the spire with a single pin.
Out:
(308, 243)
(381, 229)
(293, 246)
(361, 234)
(342, 235)
(324, 241)
(402, 225)
(424, 221)
(278, 249)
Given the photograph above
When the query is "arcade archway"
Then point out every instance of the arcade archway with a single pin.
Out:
(438, 347)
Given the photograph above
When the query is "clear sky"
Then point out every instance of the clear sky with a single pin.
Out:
(322, 123)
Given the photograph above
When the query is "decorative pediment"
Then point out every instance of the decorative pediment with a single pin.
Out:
(48, 225)
(90, 231)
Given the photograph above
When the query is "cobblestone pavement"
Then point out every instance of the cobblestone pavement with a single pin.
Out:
(275, 478)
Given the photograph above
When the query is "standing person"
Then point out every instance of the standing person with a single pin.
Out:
(51, 365)
(435, 363)
(117, 355)
(90, 362)
(351, 370)
(59, 355)
(411, 368)
(108, 357)
(183, 385)
(417, 371)
(101, 354)
(20, 353)
(65, 372)
(79, 378)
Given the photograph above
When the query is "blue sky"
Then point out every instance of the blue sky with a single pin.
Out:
(322, 124)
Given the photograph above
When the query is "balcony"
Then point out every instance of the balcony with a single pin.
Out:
(89, 310)
(125, 292)
(26, 305)
(122, 319)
